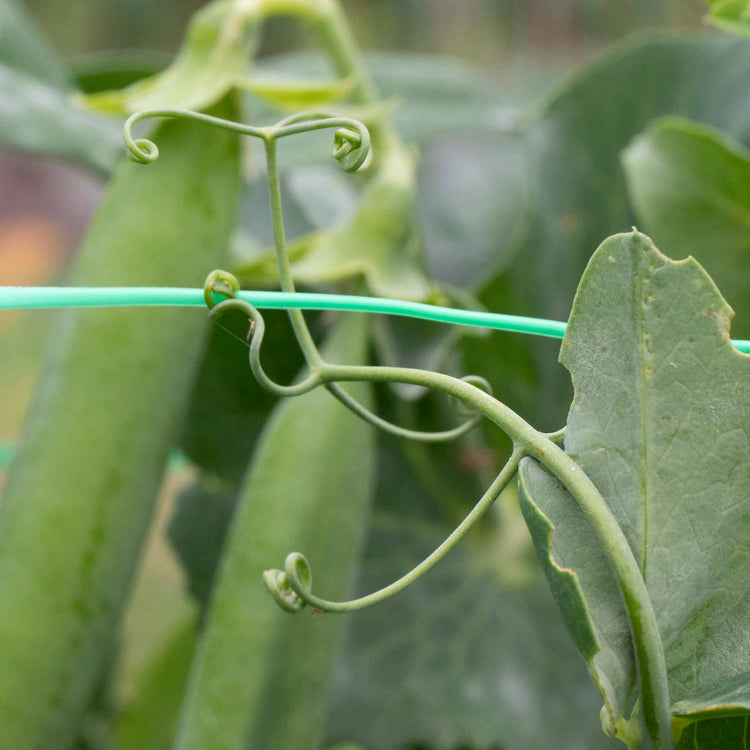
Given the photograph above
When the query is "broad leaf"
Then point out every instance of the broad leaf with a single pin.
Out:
(38, 117)
(579, 194)
(690, 186)
(474, 199)
(659, 423)
(116, 69)
(716, 734)
(23, 48)
(472, 655)
(260, 676)
(731, 15)
(296, 93)
(435, 94)
(216, 50)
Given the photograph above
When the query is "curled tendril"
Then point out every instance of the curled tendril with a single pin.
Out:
(221, 282)
(351, 138)
(292, 587)
(313, 380)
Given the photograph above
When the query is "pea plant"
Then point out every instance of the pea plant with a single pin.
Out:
(636, 510)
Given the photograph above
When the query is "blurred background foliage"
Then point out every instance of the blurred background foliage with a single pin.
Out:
(509, 212)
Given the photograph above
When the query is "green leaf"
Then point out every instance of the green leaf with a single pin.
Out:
(690, 186)
(116, 69)
(730, 698)
(730, 15)
(716, 734)
(216, 50)
(473, 204)
(578, 190)
(260, 678)
(436, 94)
(463, 657)
(294, 93)
(23, 48)
(38, 117)
(662, 401)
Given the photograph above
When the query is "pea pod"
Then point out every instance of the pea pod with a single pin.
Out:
(81, 493)
(259, 677)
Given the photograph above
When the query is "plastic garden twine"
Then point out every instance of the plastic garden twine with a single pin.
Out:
(37, 298)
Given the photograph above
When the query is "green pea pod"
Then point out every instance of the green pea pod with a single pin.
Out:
(260, 674)
(114, 384)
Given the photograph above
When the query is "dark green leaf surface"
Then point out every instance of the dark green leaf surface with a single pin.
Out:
(197, 531)
(23, 48)
(463, 658)
(260, 676)
(434, 94)
(579, 192)
(690, 186)
(716, 734)
(36, 116)
(659, 423)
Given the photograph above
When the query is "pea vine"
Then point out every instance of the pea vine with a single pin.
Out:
(292, 587)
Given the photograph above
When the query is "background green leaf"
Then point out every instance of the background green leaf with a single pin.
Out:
(578, 189)
(24, 48)
(35, 116)
(690, 186)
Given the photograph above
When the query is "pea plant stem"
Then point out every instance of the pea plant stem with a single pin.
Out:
(652, 671)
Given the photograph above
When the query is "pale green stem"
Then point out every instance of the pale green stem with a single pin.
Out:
(489, 497)
(649, 653)
(297, 318)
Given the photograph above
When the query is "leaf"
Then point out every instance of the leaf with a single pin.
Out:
(474, 201)
(38, 117)
(116, 69)
(260, 676)
(659, 423)
(294, 93)
(24, 49)
(216, 50)
(690, 186)
(716, 734)
(730, 698)
(437, 94)
(578, 190)
(730, 15)
(461, 658)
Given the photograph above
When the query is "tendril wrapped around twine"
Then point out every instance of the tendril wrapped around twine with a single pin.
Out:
(292, 587)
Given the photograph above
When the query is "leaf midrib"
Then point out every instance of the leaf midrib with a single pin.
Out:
(643, 412)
